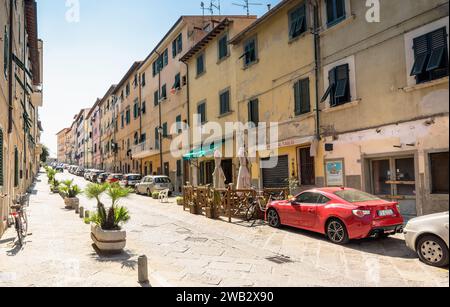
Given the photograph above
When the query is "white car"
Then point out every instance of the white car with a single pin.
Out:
(428, 236)
(150, 184)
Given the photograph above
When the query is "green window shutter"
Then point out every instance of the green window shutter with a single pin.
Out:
(164, 92)
(200, 64)
(174, 49)
(1, 158)
(144, 107)
(156, 138)
(253, 111)
(225, 102)
(16, 167)
(179, 124)
(302, 97)
(223, 47)
(165, 131)
(156, 98)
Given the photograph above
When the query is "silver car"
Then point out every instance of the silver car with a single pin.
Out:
(428, 237)
(150, 184)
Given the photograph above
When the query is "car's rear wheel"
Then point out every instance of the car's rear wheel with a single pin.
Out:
(337, 232)
(149, 193)
(433, 251)
(273, 218)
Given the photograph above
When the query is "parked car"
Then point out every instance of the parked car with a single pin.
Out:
(59, 169)
(102, 178)
(94, 175)
(150, 184)
(114, 178)
(130, 180)
(80, 172)
(428, 236)
(87, 174)
(341, 214)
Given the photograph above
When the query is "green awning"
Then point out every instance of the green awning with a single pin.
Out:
(202, 152)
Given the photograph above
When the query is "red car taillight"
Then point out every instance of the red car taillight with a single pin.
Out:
(361, 213)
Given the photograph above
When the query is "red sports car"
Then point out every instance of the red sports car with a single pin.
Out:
(341, 214)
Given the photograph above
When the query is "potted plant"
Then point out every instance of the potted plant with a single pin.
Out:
(106, 224)
(51, 174)
(180, 201)
(155, 195)
(70, 192)
(54, 186)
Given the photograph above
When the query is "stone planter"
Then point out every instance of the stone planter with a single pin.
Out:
(72, 203)
(55, 191)
(111, 241)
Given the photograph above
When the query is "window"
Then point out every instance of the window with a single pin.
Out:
(164, 92)
(177, 84)
(136, 109)
(308, 198)
(200, 64)
(156, 98)
(224, 98)
(297, 21)
(143, 82)
(1, 158)
(16, 167)
(253, 111)
(223, 47)
(135, 81)
(144, 107)
(302, 98)
(155, 68)
(6, 51)
(339, 88)
(127, 90)
(136, 138)
(354, 196)
(165, 58)
(177, 46)
(156, 138)
(335, 11)
(165, 130)
(439, 173)
(201, 111)
(250, 52)
(179, 124)
(128, 116)
(430, 56)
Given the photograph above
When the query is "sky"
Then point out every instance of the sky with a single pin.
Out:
(85, 53)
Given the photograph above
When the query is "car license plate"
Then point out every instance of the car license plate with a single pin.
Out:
(389, 212)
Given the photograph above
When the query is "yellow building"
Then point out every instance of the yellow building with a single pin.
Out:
(62, 145)
(275, 80)
(384, 117)
(20, 99)
(126, 123)
(212, 95)
(107, 130)
(165, 97)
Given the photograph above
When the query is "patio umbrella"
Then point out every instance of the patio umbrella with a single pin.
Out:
(244, 180)
(218, 175)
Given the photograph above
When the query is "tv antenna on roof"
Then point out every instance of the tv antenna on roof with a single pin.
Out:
(214, 4)
(246, 5)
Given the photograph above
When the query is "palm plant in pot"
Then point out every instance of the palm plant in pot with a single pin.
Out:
(70, 192)
(106, 224)
(54, 185)
(51, 174)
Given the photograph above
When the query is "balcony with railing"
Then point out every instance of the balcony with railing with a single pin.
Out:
(144, 150)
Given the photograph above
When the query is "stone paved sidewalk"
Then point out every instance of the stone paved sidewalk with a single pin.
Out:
(188, 250)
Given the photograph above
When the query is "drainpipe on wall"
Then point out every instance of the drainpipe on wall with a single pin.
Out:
(140, 118)
(10, 63)
(161, 164)
(317, 65)
(188, 103)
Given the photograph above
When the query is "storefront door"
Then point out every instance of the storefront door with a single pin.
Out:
(394, 179)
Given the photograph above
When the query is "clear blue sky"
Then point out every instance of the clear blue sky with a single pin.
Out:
(82, 59)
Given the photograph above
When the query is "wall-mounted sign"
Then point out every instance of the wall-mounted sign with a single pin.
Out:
(335, 170)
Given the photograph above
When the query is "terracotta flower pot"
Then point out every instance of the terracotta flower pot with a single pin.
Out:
(72, 203)
(110, 241)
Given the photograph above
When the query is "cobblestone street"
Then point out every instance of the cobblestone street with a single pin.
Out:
(188, 250)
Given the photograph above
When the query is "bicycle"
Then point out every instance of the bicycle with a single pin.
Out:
(257, 204)
(19, 216)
